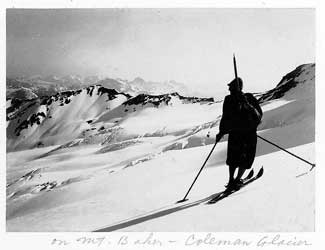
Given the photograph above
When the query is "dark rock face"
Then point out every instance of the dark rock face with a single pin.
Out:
(144, 99)
(35, 118)
(111, 93)
(15, 104)
(287, 82)
(64, 96)
(196, 99)
(61, 96)
(157, 100)
(90, 90)
(19, 107)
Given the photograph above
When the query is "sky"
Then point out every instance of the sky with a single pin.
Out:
(192, 46)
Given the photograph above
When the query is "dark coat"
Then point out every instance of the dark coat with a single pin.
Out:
(242, 137)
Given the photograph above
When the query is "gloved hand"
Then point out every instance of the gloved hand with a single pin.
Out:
(218, 137)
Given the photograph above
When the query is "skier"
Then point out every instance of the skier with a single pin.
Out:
(240, 118)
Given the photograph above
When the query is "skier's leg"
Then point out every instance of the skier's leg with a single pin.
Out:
(232, 169)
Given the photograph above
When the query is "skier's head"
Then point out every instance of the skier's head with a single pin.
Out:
(236, 85)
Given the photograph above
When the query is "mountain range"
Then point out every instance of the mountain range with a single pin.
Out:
(50, 85)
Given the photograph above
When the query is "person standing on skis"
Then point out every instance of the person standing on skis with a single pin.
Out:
(240, 117)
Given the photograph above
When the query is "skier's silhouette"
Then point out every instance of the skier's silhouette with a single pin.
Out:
(240, 118)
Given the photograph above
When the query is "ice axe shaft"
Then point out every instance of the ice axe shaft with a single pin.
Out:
(184, 199)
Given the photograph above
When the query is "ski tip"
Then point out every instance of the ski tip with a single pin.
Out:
(180, 201)
(251, 173)
(260, 173)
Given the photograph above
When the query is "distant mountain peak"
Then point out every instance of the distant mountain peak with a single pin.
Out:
(139, 79)
(303, 74)
(51, 84)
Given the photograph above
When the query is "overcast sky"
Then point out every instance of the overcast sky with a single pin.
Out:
(193, 46)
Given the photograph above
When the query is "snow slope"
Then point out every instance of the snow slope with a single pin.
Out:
(90, 115)
(128, 176)
(59, 118)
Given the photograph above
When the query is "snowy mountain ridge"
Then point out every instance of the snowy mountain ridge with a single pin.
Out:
(34, 119)
(25, 119)
(300, 75)
(57, 118)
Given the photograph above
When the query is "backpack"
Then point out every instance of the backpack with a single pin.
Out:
(249, 114)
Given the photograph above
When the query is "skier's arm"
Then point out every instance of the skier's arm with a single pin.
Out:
(256, 104)
(224, 122)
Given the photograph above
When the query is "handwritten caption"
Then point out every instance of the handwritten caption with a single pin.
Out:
(192, 239)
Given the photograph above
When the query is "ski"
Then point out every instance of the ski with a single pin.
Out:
(249, 179)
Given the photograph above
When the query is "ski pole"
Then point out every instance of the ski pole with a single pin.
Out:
(313, 165)
(184, 199)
